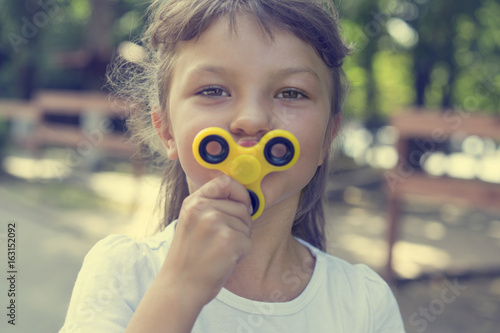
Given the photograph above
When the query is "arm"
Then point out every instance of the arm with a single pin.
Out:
(212, 234)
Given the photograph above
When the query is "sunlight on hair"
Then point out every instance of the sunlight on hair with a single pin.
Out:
(131, 52)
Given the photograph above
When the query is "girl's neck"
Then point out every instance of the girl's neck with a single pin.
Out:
(278, 267)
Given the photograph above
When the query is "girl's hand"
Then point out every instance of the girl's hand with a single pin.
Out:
(211, 236)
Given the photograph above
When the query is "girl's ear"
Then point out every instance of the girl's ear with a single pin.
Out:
(331, 132)
(162, 128)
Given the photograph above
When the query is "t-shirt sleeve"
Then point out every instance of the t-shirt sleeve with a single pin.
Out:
(109, 287)
(382, 303)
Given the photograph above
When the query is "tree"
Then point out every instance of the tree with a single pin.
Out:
(433, 54)
(61, 44)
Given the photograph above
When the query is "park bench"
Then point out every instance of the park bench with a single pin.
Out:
(432, 129)
(87, 124)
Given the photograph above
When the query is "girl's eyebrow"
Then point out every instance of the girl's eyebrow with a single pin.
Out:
(283, 73)
(207, 69)
(279, 74)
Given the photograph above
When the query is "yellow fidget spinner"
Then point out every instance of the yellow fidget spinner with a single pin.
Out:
(278, 150)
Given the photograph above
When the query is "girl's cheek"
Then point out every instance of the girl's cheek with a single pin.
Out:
(195, 173)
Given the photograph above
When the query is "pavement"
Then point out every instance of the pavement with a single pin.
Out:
(50, 245)
(52, 237)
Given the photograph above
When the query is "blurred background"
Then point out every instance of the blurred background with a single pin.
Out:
(414, 191)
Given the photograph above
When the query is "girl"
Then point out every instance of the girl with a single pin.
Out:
(247, 66)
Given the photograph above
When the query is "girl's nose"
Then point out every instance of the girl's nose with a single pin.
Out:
(252, 119)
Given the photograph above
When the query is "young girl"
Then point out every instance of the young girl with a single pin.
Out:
(249, 67)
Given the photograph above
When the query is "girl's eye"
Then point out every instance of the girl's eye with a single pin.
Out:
(291, 94)
(213, 92)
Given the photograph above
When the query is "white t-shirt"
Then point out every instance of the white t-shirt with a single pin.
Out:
(339, 298)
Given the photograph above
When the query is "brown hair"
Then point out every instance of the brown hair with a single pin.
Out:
(147, 83)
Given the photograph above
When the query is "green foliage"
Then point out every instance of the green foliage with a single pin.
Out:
(357, 102)
(79, 11)
(435, 54)
(38, 37)
(438, 85)
(393, 77)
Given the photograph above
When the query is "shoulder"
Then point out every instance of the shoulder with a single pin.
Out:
(361, 291)
(129, 253)
(357, 278)
(115, 275)
(359, 274)
(120, 259)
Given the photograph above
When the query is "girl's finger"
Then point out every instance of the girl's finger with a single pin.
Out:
(235, 213)
(224, 187)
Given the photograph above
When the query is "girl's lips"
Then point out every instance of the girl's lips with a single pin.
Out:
(247, 143)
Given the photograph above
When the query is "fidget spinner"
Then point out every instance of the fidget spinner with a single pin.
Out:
(278, 150)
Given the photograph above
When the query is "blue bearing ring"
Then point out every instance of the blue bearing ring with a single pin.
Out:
(283, 160)
(214, 159)
(255, 201)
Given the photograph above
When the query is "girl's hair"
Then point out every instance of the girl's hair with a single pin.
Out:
(146, 83)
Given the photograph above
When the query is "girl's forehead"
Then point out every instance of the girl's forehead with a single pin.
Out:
(245, 31)
(246, 50)
(232, 27)
(249, 42)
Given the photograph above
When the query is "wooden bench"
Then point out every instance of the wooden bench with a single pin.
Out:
(84, 122)
(434, 128)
